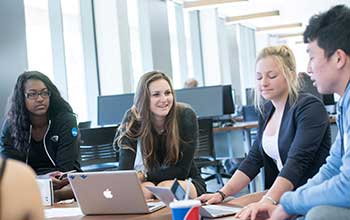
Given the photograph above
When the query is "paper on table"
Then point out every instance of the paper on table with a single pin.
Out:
(62, 212)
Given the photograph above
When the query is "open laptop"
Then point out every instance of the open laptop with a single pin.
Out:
(113, 192)
(165, 195)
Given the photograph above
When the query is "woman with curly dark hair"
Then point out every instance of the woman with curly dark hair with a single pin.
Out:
(40, 128)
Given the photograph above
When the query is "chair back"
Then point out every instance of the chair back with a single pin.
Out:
(96, 149)
(84, 124)
(205, 148)
(249, 113)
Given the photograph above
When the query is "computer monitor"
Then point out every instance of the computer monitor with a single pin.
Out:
(249, 96)
(229, 106)
(210, 101)
(111, 109)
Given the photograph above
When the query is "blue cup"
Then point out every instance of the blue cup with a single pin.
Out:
(185, 209)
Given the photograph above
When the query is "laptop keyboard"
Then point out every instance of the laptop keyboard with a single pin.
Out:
(154, 204)
(219, 209)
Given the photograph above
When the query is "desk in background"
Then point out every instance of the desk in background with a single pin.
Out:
(235, 142)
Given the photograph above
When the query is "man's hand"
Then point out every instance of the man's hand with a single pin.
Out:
(279, 214)
(256, 210)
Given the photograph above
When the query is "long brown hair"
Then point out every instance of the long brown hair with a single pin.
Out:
(140, 126)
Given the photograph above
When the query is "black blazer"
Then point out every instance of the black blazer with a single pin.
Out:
(304, 141)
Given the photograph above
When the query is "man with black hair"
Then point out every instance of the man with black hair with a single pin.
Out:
(327, 194)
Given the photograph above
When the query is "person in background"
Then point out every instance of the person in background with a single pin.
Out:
(19, 201)
(307, 85)
(41, 129)
(327, 194)
(191, 83)
(293, 138)
(158, 137)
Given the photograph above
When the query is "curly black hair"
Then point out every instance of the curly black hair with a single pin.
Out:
(330, 29)
(18, 115)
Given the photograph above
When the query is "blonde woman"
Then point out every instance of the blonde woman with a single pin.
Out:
(158, 137)
(293, 139)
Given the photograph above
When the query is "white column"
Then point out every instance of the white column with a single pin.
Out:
(113, 46)
(57, 44)
(180, 48)
(145, 36)
(125, 48)
(196, 47)
(160, 40)
(210, 47)
(90, 58)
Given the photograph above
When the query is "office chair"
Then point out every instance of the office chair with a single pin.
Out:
(84, 124)
(96, 149)
(249, 113)
(204, 155)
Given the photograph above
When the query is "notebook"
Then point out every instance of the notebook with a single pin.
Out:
(165, 195)
(113, 192)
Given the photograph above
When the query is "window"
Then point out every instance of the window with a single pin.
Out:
(133, 16)
(39, 51)
(73, 47)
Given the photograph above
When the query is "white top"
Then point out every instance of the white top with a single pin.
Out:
(270, 146)
(138, 164)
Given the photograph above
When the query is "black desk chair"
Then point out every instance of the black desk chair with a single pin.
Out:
(205, 155)
(96, 149)
(84, 124)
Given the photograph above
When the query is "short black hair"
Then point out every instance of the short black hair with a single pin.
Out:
(331, 30)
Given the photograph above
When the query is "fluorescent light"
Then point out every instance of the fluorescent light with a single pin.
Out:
(290, 35)
(207, 3)
(282, 26)
(252, 16)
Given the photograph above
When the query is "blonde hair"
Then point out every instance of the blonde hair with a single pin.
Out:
(285, 60)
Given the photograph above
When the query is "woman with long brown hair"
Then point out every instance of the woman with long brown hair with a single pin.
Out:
(158, 136)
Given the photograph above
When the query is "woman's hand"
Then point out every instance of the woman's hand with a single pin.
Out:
(256, 210)
(57, 182)
(212, 198)
(141, 176)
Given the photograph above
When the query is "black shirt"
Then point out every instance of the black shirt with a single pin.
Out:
(304, 141)
(184, 167)
(61, 144)
(37, 157)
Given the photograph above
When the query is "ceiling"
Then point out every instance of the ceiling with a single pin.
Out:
(296, 11)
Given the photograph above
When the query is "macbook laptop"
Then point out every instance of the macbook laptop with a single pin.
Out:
(113, 192)
(165, 195)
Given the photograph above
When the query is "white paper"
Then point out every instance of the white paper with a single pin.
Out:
(46, 191)
(62, 212)
(164, 194)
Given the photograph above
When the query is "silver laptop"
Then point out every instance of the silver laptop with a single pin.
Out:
(114, 192)
(165, 195)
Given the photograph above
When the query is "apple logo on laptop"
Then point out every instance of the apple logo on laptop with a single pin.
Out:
(107, 194)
